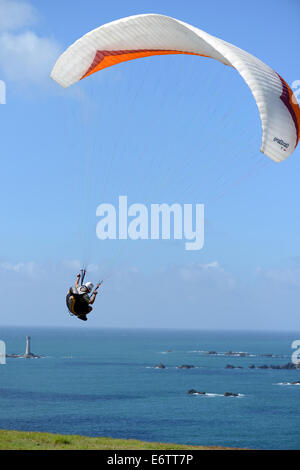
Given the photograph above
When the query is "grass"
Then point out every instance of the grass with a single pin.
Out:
(21, 440)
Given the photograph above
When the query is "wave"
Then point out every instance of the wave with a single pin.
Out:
(295, 384)
(213, 395)
(243, 354)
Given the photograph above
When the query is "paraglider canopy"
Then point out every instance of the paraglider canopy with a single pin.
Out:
(152, 34)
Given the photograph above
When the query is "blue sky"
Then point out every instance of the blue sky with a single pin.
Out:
(166, 129)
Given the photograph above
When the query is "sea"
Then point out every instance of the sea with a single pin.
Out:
(106, 382)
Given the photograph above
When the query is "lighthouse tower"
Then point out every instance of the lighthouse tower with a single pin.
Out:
(27, 351)
(28, 354)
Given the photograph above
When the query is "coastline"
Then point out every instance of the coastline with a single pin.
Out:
(25, 440)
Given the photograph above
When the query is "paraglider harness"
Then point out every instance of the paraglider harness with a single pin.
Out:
(76, 305)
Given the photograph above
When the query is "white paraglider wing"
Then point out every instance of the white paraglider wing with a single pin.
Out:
(148, 35)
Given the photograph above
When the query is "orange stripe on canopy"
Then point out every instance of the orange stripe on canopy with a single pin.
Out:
(104, 59)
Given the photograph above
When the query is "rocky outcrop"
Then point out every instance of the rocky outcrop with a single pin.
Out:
(160, 366)
(192, 391)
(288, 366)
(236, 354)
(185, 366)
(230, 366)
(24, 356)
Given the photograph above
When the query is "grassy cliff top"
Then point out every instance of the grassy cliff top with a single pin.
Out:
(22, 440)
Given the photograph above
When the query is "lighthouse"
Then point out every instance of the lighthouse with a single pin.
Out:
(28, 354)
(27, 351)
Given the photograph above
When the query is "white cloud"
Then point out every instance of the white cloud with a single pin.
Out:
(72, 264)
(210, 274)
(190, 296)
(213, 264)
(30, 268)
(25, 57)
(93, 268)
(285, 276)
(16, 14)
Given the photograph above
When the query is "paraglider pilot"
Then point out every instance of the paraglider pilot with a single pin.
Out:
(80, 297)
